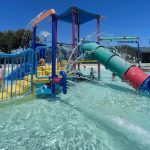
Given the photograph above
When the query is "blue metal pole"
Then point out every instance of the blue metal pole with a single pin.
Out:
(34, 43)
(8, 73)
(3, 85)
(34, 37)
(32, 71)
(56, 23)
(12, 68)
(53, 54)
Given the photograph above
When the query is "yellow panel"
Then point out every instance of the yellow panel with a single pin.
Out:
(4, 96)
(64, 61)
(49, 67)
(36, 80)
(43, 73)
(24, 85)
(16, 90)
(62, 68)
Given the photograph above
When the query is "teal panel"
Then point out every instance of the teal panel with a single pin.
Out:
(103, 55)
(118, 66)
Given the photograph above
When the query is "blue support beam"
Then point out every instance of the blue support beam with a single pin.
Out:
(53, 54)
(34, 43)
(34, 37)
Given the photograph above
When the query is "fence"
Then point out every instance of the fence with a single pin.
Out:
(14, 70)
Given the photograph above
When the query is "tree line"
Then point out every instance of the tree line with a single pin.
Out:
(10, 40)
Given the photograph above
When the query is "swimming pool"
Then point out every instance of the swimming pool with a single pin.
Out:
(105, 116)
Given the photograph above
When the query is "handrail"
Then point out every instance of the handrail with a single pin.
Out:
(43, 16)
(120, 38)
(16, 54)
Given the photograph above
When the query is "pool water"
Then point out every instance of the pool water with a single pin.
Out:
(104, 116)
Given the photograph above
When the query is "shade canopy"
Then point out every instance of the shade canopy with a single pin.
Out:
(82, 16)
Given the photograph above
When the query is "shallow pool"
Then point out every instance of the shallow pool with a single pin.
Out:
(105, 116)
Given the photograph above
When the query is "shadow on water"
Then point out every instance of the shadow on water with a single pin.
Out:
(100, 123)
(127, 90)
(120, 88)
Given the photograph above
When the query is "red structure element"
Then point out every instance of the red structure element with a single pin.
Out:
(98, 30)
(74, 36)
(56, 80)
(98, 40)
(77, 17)
(75, 33)
(135, 77)
(78, 25)
(73, 29)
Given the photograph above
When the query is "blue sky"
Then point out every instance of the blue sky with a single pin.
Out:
(124, 17)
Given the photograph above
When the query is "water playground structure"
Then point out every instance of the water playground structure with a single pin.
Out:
(23, 73)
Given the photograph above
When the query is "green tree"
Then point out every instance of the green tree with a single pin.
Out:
(14, 39)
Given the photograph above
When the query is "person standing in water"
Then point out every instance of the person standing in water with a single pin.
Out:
(113, 76)
(42, 64)
(92, 73)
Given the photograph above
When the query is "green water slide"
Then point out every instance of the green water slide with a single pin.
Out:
(110, 60)
(123, 69)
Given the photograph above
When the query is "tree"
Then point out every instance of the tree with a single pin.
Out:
(14, 39)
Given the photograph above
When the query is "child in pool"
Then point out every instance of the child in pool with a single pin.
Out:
(92, 73)
(113, 76)
(42, 63)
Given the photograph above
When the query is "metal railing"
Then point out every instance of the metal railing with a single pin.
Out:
(15, 72)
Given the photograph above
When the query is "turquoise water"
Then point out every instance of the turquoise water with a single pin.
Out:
(105, 116)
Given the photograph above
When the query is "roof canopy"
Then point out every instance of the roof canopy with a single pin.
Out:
(82, 15)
